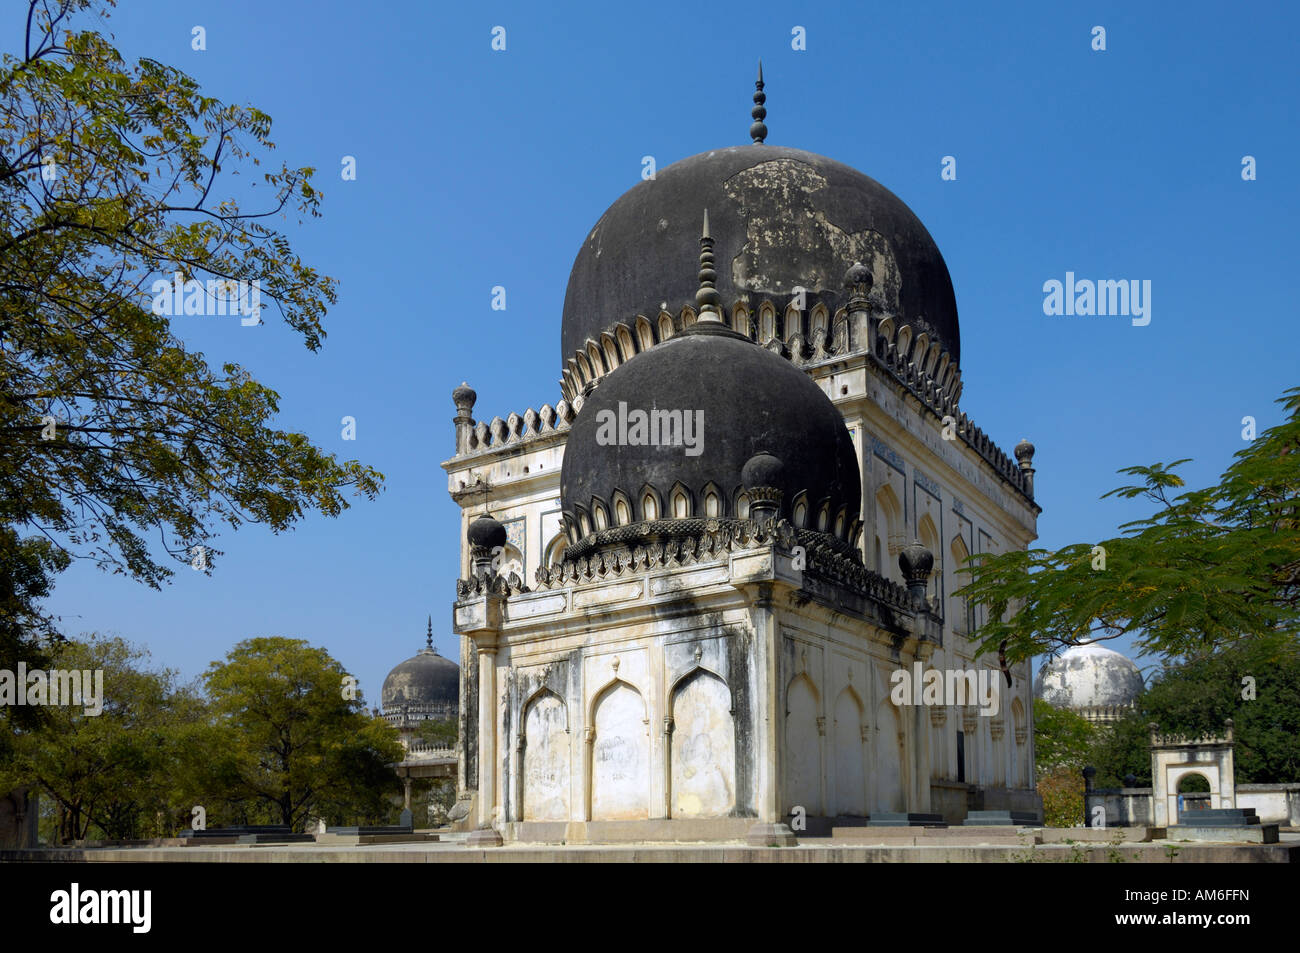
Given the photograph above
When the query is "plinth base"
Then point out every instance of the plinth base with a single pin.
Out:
(484, 837)
(771, 835)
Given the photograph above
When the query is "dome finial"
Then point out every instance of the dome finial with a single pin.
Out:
(758, 130)
(428, 638)
(707, 296)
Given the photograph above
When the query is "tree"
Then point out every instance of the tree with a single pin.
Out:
(438, 732)
(291, 744)
(1212, 567)
(1062, 739)
(1256, 685)
(111, 432)
(109, 774)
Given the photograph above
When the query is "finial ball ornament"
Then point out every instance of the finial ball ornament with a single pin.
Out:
(858, 277)
(916, 562)
(486, 532)
(464, 394)
(762, 469)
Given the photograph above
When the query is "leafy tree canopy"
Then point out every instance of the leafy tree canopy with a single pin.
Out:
(289, 740)
(118, 445)
(1209, 568)
(108, 774)
(1062, 739)
(1257, 685)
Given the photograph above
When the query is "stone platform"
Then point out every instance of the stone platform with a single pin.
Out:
(927, 848)
(1223, 824)
(1220, 834)
(342, 838)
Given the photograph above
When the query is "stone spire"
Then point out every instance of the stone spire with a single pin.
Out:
(758, 130)
(428, 638)
(707, 296)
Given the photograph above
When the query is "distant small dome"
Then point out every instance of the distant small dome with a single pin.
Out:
(1088, 677)
(427, 685)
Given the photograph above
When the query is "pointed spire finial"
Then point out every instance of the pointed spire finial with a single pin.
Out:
(428, 638)
(759, 130)
(707, 296)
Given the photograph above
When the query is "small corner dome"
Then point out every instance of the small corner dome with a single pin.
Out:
(426, 681)
(486, 532)
(1089, 676)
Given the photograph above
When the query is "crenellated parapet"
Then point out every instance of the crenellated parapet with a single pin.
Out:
(481, 436)
(1159, 739)
(482, 583)
(1103, 714)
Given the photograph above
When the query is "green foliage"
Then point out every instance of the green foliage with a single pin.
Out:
(110, 178)
(1123, 749)
(1062, 792)
(438, 732)
(287, 744)
(1209, 568)
(274, 741)
(109, 775)
(1199, 696)
(1062, 739)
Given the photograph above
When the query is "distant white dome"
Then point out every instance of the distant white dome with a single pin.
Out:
(1086, 678)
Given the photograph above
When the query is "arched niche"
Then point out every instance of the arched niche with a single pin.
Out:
(888, 760)
(803, 750)
(547, 758)
(850, 757)
(620, 755)
(703, 747)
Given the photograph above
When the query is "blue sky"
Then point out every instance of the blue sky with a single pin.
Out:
(478, 168)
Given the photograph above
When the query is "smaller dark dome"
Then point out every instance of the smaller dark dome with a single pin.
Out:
(1024, 450)
(762, 469)
(486, 532)
(749, 399)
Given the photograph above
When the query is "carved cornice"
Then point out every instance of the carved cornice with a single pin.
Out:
(628, 550)
(489, 582)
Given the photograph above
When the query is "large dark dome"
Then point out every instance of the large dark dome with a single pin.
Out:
(780, 218)
(752, 400)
